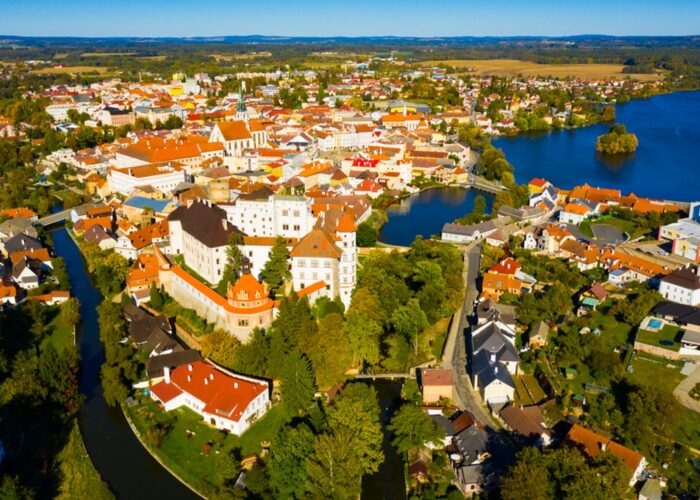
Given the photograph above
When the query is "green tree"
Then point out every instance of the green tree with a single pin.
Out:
(366, 235)
(222, 347)
(527, 478)
(253, 356)
(334, 468)
(328, 350)
(357, 411)
(234, 259)
(276, 270)
(297, 383)
(409, 321)
(70, 312)
(364, 337)
(413, 428)
(155, 298)
(608, 114)
(288, 474)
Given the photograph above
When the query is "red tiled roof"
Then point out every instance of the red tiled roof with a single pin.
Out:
(223, 395)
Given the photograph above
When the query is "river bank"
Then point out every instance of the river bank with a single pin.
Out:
(126, 466)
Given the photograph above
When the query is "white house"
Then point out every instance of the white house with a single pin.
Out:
(228, 402)
(330, 255)
(200, 233)
(682, 286)
(163, 177)
(494, 360)
(262, 213)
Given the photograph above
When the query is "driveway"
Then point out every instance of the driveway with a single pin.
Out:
(682, 391)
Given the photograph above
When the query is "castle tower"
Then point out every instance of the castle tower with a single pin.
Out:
(347, 272)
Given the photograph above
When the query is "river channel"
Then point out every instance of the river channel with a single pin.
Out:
(119, 457)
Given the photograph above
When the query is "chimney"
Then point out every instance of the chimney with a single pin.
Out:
(211, 376)
(206, 381)
(189, 367)
(189, 378)
(166, 372)
(235, 385)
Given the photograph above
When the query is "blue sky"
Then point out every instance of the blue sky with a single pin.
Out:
(348, 18)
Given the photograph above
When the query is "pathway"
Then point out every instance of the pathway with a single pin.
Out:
(683, 389)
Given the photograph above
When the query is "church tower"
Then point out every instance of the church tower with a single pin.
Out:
(241, 109)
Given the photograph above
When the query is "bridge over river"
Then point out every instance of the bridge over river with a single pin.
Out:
(61, 216)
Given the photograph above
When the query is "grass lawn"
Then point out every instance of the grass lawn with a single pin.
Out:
(656, 372)
(625, 226)
(79, 479)
(434, 337)
(688, 432)
(668, 332)
(585, 228)
(613, 331)
(521, 395)
(61, 333)
(534, 387)
(512, 67)
(183, 452)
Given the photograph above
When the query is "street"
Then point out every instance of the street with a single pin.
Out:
(454, 354)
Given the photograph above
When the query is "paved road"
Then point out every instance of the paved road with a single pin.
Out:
(454, 354)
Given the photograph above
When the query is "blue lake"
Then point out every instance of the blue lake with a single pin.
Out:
(426, 212)
(666, 164)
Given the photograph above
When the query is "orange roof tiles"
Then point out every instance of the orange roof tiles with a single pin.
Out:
(235, 130)
(574, 208)
(317, 243)
(223, 394)
(145, 236)
(14, 213)
(593, 444)
(41, 254)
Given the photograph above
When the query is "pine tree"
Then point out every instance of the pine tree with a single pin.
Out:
(276, 269)
(297, 383)
(156, 299)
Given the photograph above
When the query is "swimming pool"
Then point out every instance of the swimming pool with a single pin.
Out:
(654, 324)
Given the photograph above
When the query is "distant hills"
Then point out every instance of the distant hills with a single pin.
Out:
(578, 40)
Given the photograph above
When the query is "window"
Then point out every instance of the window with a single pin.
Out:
(285, 227)
(296, 213)
(242, 322)
(285, 213)
(297, 227)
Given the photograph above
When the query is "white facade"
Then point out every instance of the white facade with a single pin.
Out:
(164, 178)
(208, 262)
(308, 271)
(348, 266)
(288, 216)
(679, 294)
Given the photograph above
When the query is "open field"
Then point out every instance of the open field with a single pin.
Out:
(71, 69)
(511, 67)
(106, 54)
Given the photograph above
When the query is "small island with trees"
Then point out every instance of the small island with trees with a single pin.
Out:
(617, 141)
